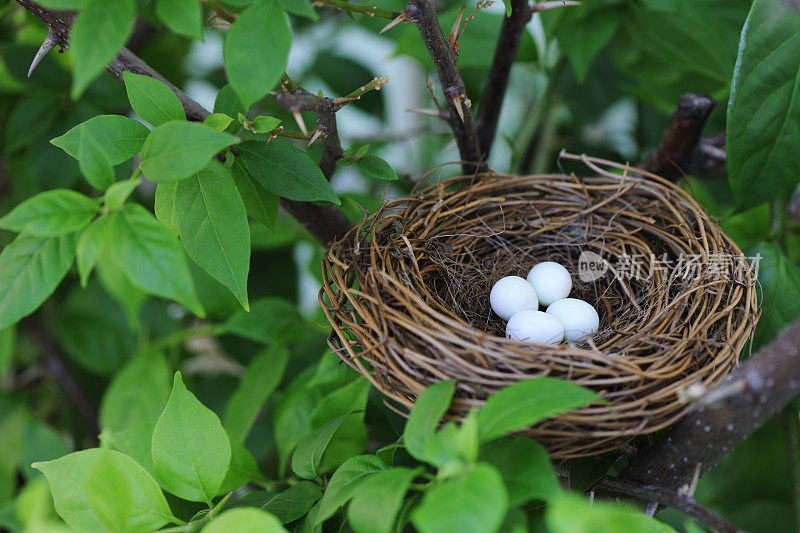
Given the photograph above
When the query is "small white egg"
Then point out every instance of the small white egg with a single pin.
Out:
(534, 326)
(551, 281)
(579, 318)
(512, 294)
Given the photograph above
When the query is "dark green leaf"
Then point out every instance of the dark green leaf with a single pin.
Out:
(191, 450)
(301, 8)
(294, 502)
(30, 269)
(780, 297)
(182, 16)
(583, 39)
(256, 50)
(308, 453)
(243, 468)
(51, 213)
(260, 379)
(378, 499)
(100, 30)
(764, 108)
(176, 150)
(525, 468)
(429, 408)
(151, 256)
(269, 320)
(228, 102)
(525, 403)
(345, 481)
(286, 171)
(261, 204)
(212, 221)
(152, 100)
(375, 167)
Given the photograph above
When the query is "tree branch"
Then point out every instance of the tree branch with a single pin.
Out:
(54, 363)
(324, 223)
(674, 153)
(445, 60)
(494, 90)
(671, 498)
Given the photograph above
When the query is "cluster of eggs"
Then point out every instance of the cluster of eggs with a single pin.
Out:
(516, 300)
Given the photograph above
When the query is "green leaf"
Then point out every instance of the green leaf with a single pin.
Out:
(269, 320)
(525, 468)
(583, 39)
(118, 193)
(191, 450)
(62, 4)
(152, 257)
(107, 493)
(243, 468)
(176, 150)
(294, 502)
(165, 203)
(764, 108)
(8, 338)
(30, 270)
(428, 410)
(261, 204)
(256, 50)
(572, 514)
(119, 286)
(93, 163)
(151, 99)
(265, 124)
(244, 520)
(182, 16)
(780, 291)
(301, 8)
(212, 221)
(308, 453)
(68, 478)
(286, 170)
(525, 403)
(51, 213)
(375, 167)
(474, 502)
(378, 499)
(218, 121)
(351, 438)
(228, 102)
(100, 30)
(344, 483)
(260, 379)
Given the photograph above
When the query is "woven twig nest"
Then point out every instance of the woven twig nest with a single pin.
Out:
(407, 296)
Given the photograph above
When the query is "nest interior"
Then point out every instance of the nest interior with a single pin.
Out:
(406, 294)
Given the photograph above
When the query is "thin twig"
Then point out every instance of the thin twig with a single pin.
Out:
(373, 11)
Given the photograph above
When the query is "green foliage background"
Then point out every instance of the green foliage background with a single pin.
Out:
(184, 305)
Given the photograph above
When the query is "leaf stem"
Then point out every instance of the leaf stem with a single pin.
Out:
(217, 508)
(373, 11)
(374, 85)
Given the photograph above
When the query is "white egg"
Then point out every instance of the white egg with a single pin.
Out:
(551, 282)
(534, 326)
(512, 294)
(579, 318)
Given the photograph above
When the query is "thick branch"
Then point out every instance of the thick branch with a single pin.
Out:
(445, 59)
(55, 366)
(504, 55)
(673, 155)
(670, 498)
(759, 389)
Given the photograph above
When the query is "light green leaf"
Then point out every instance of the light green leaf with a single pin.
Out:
(30, 270)
(261, 204)
(107, 493)
(212, 221)
(218, 121)
(375, 167)
(191, 450)
(474, 502)
(228, 102)
(525, 468)
(262, 376)
(165, 206)
(265, 124)
(378, 499)
(182, 16)
(118, 138)
(62, 4)
(764, 107)
(118, 285)
(286, 171)
(308, 453)
(428, 410)
(118, 193)
(244, 520)
(256, 50)
(151, 99)
(570, 513)
(344, 483)
(269, 320)
(525, 403)
(301, 8)
(93, 163)
(243, 468)
(100, 30)
(176, 150)
(151, 256)
(68, 483)
(51, 213)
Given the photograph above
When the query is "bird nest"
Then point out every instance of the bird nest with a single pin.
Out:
(407, 296)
